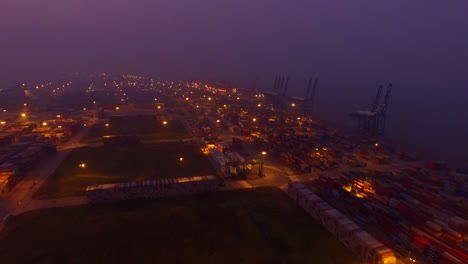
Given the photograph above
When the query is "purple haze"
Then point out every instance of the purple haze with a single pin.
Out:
(420, 46)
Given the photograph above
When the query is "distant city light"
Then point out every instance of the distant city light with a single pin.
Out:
(181, 159)
(82, 165)
(106, 125)
(23, 114)
(59, 116)
(293, 104)
(25, 104)
(2, 122)
(259, 105)
(217, 121)
(209, 98)
(186, 98)
(238, 98)
(254, 119)
(84, 108)
(159, 107)
(44, 123)
(164, 122)
(376, 144)
(117, 108)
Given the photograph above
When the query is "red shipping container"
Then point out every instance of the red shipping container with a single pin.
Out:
(463, 257)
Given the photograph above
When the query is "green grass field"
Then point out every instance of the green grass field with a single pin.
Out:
(247, 226)
(112, 164)
(174, 129)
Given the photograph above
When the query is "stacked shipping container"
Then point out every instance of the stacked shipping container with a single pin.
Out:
(356, 239)
(150, 189)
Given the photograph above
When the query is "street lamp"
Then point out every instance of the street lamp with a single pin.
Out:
(262, 159)
(44, 123)
(293, 104)
(23, 114)
(164, 122)
(82, 165)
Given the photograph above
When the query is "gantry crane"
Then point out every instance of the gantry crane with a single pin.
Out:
(373, 121)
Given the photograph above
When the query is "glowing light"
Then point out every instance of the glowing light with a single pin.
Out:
(82, 165)
(106, 125)
(23, 114)
(217, 121)
(159, 107)
(293, 104)
(2, 122)
(164, 122)
(259, 105)
(25, 104)
(209, 98)
(264, 153)
(84, 108)
(44, 123)
(376, 144)
(186, 98)
(117, 108)
(254, 119)
(181, 159)
(59, 116)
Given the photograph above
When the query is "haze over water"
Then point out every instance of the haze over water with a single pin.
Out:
(352, 46)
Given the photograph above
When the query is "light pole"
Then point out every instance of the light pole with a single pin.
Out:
(262, 159)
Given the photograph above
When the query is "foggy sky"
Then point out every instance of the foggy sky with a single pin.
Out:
(352, 46)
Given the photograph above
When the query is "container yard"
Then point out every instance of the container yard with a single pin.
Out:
(405, 225)
(385, 203)
(30, 139)
(380, 188)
